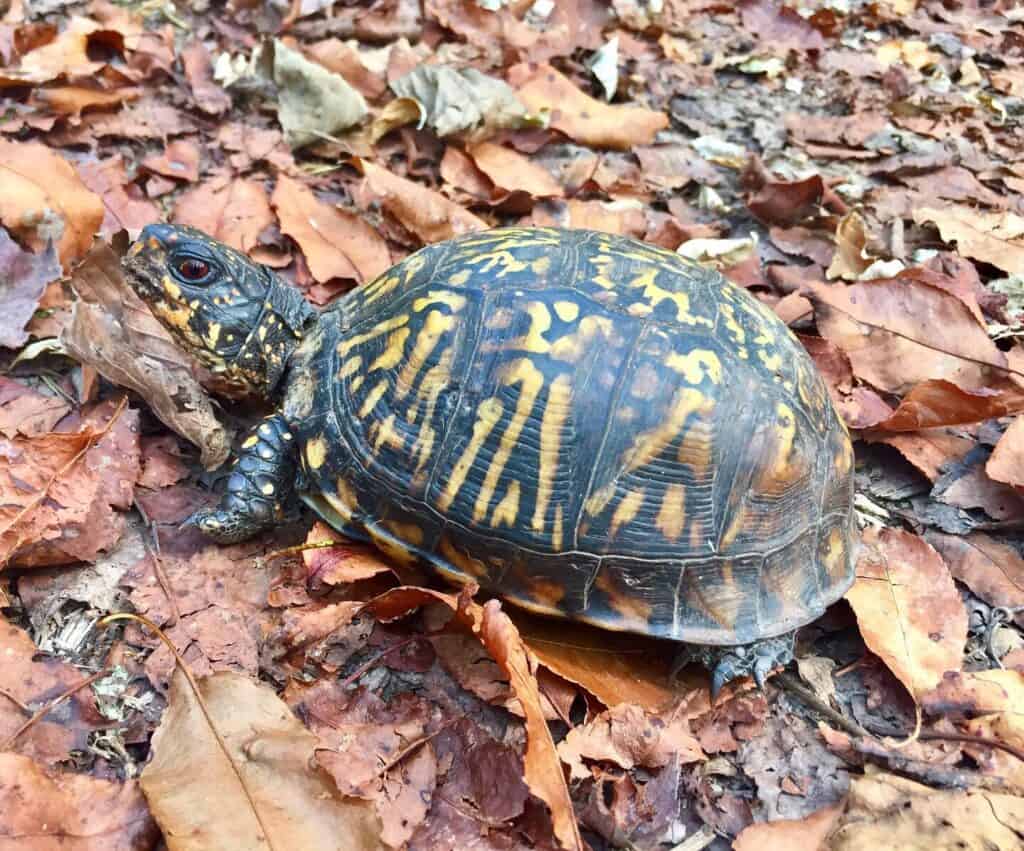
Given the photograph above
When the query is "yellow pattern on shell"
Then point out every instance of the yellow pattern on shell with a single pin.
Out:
(487, 415)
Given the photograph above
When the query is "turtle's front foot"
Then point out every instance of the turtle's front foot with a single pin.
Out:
(260, 486)
(756, 660)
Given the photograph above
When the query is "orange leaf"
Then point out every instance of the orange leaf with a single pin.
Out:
(233, 210)
(38, 183)
(336, 243)
(581, 117)
(512, 171)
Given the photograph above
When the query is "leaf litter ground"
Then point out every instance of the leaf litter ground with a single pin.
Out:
(855, 166)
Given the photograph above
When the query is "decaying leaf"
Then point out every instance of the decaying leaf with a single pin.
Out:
(313, 103)
(114, 331)
(804, 834)
(1006, 463)
(908, 609)
(234, 210)
(43, 199)
(258, 787)
(67, 810)
(336, 243)
(511, 171)
(347, 562)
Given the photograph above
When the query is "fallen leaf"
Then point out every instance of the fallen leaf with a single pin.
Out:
(930, 449)
(452, 100)
(114, 331)
(313, 103)
(348, 562)
(179, 161)
(932, 404)
(23, 277)
(336, 243)
(162, 465)
(786, 203)
(996, 238)
(27, 412)
(991, 569)
(580, 117)
(44, 199)
(423, 212)
(74, 100)
(511, 171)
(779, 27)
(887, 328)
(804, 834)
(209, 96)
(851, 259)
(1006, 464)
(627, 736)
(67, 55)
(258, 787)
(886, 812)
(73, 811)
(124, 206)
(908, 609)
(33, 679)
(233, 210)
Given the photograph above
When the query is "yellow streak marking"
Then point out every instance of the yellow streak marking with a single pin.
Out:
(345, 346)
(672, 515)
(213, 334)
(656, 294)
(379, 287)
(408, 532)
(556, 411)
(390, 546)
(393, 352)
(567, 310)
(772, 362)
(459, 278)
(434, 327)
(730, 322)
(316, 452)
(541, 265)
(487, 414)
(626, 510)
(540, 323)
(455, 301)
(373, 397)
(357, 382)
(696, 365)
(507, 510)
(250, 441)
(650, 444)
(433, 383)
(350, 367)
(387, 435)
(172, 289)
(570, 348)
(531, 380)
(556, 534)
(599, 499)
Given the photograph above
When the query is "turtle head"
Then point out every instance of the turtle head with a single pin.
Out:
(237, 317)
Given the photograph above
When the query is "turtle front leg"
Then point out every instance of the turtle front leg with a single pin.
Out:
(260, 487)
(726, 663)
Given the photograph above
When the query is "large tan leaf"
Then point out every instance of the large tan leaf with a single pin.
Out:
(804, 834)
(43, 198)
(233, 210)
(992, 237)
(888, 813)
(264, 792)
(908, 609)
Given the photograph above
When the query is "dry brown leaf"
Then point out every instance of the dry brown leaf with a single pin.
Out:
(234, 210)
(53, 513)
(851, 258)
(44, 812)
(264, 792)
(427, 214)
(1006, 464)
(26, 412)
(497, 633)
(336, 243)
(882, 324)
(785, 202)
(113, 331)
(996, 238)
(125, 207)
(888, 813)
(23, 279)
(628, 736)
(43, 198)
(340, 565)
(73, 100)
(932, 404)
(511, 171)
(622, 217)
(991, 569)
(179, 161)
(582, 118)
(930, 449)
(908, 609)
(208, 95)
(805, 834)
(67, 55)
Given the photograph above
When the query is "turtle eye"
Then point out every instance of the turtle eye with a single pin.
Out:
(191, 269)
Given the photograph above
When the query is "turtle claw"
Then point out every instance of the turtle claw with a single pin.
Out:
(755, 660)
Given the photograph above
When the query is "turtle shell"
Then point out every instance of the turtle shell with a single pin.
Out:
(587, 426)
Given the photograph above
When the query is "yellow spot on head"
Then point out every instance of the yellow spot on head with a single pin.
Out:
(267, 489)
(316, 452)
(172, 289)
(250, 441)
(567, 310)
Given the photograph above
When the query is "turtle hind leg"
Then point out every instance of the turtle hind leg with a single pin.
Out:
(260, 487)
(726, 663)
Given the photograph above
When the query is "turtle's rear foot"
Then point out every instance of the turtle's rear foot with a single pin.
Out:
(756, 660)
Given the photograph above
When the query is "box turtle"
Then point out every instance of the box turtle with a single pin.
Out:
(581, 423)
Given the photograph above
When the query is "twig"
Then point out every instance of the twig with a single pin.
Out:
(415, 745)
(300, 548)
(790, 684)
(374, 660)
(22, 706)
